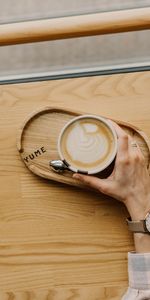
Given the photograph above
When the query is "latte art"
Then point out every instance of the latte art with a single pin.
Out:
(87, 144)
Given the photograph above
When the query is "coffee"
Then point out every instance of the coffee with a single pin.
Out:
(87, 144)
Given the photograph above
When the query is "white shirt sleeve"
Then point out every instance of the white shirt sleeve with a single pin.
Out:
(139, 277)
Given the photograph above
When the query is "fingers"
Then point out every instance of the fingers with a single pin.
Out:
(127, 146)
(135, 151)
(134, 148)
(94, 182)
(119, 130)
(123, 138)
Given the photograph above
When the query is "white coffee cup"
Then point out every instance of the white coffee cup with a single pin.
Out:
(87, 144)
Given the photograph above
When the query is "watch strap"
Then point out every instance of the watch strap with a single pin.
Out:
(136, 226)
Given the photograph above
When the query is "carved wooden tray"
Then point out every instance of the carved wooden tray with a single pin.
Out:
(37, 142)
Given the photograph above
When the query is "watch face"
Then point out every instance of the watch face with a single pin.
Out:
(147, 221)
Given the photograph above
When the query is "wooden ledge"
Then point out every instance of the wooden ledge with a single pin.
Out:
(75, 26)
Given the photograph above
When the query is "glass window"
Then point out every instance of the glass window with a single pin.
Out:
(97, 52)
(12, 10)
(73, 55)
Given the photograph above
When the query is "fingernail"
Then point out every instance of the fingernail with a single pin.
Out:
(76, 176)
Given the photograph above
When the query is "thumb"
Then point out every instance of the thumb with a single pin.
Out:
(103, 185)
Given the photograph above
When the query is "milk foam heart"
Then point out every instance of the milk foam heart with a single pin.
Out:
(87, 144)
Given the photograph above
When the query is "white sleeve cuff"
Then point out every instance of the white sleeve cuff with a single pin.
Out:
(139, 270)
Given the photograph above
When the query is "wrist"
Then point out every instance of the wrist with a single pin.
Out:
(142, 242)
(137, 214)
(138, 209)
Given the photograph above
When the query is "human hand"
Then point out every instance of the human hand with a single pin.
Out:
(129, 181)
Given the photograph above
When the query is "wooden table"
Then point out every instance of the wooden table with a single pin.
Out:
(59, 242)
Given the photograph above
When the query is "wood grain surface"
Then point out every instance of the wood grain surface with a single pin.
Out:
(59, 242)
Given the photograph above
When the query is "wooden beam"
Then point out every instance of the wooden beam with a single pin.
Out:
(75, 26)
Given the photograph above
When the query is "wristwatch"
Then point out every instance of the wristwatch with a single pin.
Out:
(142, 226)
